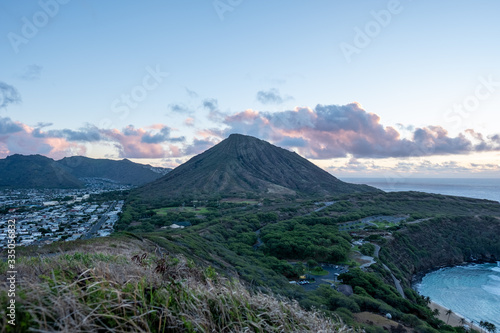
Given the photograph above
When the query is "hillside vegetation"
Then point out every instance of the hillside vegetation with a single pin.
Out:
(221, 272)
(123, 284)
(266, 243)
(443, 241)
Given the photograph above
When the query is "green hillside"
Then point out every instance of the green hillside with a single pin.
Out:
(123, 171)
(35, 171)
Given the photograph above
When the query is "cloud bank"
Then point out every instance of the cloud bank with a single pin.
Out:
(334, 131)
(402, 169)
(324, 132)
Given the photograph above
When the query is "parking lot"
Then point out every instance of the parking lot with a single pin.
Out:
(325, 279)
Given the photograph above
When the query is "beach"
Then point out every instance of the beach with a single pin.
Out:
(454, 319)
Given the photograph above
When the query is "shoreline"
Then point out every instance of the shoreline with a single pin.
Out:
(417, 278)
(454, 319)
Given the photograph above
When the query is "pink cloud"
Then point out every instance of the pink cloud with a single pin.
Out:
(323, 132)
(330, 131)
(22, 141)
(129, 143)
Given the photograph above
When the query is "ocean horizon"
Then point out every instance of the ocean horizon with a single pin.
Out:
(478, 188)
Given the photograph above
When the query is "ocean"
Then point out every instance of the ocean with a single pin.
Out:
(480, 188)
(471, 291)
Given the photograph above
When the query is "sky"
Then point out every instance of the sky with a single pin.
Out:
(394, 88)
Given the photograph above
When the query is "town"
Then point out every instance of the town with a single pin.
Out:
(45, 216)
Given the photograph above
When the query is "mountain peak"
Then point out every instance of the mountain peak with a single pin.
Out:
(237, 136)
(241, 165)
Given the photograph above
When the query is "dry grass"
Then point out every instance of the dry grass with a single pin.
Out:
(120, 289)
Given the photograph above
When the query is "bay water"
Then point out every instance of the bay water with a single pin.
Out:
(471, 291)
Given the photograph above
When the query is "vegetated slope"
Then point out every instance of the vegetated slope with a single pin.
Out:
(35, 171)
(123, 172)
(121, 284)
(443, 241)
(418, 204)
(243, 164)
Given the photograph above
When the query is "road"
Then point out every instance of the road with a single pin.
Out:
(327, 204)
(99, 224)
(377, 250)
(259, 242)
(368, 221)
(418, 221)
(397, 283)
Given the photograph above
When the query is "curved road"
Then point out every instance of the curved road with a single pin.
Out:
(397, 283)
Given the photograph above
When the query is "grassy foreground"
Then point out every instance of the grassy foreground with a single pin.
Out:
(129, 285)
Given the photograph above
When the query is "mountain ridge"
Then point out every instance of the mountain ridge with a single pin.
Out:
(35, 171)
(123, 171)
(38, 171)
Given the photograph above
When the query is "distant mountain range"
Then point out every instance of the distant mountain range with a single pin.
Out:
(36, 171)
(242, 165)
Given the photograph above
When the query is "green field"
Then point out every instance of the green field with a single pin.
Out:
(318, 272)
(244, 201)
(165, 210)
(384, 224)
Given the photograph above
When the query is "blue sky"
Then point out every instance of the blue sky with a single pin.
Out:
(358, 87)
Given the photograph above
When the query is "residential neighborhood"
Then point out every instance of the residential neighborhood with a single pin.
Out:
(45, 216)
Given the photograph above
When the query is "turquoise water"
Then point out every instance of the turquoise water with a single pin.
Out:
(472, 291)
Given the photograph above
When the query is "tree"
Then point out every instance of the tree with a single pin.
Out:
(462, 321)
(299, 269)
(488, 326)
(448, 313)
(481, 324)
(435, 312)
(311, 263)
